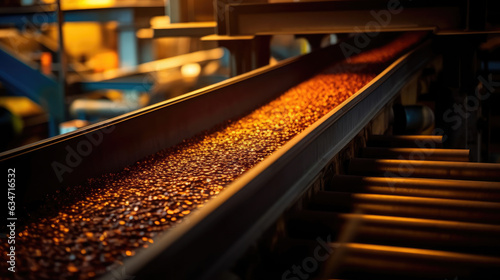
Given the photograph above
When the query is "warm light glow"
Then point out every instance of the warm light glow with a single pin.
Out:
(83, 38)
(211, 68)
(120, 210)
(104, 61)
(191, 70)
(408, 251)
(21, 106)
(46, 63)
(144, 33)
(95, 2)
(159, 21)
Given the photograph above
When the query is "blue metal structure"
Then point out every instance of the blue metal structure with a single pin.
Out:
(25, 79)
(21, 78)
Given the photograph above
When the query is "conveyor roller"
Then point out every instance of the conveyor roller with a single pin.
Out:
(431, 223)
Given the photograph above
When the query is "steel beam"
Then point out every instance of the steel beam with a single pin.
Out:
(341, 17)
(188, 29)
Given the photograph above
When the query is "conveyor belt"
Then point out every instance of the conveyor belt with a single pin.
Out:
(371, 226)
(126, 215)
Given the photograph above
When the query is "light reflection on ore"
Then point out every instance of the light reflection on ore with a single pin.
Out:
(123, 212)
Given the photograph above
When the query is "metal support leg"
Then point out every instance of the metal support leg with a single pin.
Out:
(246, 54)
(57, 113)
(455, 112)
(221, 12)
(146, 50)
(128, 46)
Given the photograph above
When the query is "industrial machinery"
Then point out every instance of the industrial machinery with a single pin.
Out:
(363, 159)
(90, 59)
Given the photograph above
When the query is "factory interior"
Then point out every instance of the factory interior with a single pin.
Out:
(250, 139)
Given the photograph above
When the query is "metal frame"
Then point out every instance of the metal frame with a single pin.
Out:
(188, 29)
(41, 88)
(287, 172)
(138, 83)
(340, 17)
(273, 185)
(246, 52)
(21, 17)
(25, 79)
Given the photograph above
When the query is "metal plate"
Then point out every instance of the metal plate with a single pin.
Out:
(341, 17)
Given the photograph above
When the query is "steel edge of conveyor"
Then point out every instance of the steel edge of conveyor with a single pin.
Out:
(288, 172)
(271, 18)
